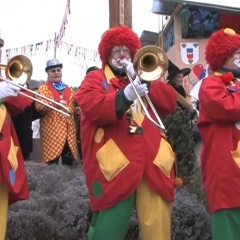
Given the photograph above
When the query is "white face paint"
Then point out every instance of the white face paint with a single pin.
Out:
(233, 62)
(236, 62)
(236, 59)
(119, 53)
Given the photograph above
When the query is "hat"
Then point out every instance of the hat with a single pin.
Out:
(221, 46)
(173, 70)
(118, 36)
(91, 69)
(53, 63)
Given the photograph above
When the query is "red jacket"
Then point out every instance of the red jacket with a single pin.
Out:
(12, 170)
(220, 157)
(115, 161)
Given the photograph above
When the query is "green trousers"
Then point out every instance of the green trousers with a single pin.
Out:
(112, 223)
(226, 224)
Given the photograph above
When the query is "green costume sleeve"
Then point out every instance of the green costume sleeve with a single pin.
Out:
(122, 103)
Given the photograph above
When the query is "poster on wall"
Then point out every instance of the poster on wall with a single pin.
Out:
(189, 53)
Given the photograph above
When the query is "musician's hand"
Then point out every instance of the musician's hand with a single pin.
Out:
(129, 68)
(8, 90)
(78, 111)
(141, 88)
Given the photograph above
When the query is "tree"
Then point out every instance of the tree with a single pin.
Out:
(180, 136)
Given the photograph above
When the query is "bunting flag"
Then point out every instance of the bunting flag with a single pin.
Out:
(80, 52)
(37, 48)
(61, 33)
(28, 50)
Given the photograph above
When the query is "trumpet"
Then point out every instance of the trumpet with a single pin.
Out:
(19, 69)
(150, 64)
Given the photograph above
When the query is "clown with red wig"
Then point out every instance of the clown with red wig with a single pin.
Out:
(125, 169)
(219, 126)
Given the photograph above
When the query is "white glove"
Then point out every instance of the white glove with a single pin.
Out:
(142, 89)
(129, 68)
(8, 89)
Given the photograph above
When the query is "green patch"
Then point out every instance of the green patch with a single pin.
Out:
(9, 120)
(97, 189)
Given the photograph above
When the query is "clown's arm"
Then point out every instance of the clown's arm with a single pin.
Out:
(216, 101)
(163, 97)
(14, 102)
(41, 108)
(98, 106)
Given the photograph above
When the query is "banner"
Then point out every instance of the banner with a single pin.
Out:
(28, 50)
(37, 48)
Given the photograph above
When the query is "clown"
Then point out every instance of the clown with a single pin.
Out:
(125, 169)
(13, 181)
(219, 98)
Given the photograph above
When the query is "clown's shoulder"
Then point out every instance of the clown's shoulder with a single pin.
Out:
(94, 77)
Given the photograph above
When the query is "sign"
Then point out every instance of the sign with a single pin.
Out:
(189, 53)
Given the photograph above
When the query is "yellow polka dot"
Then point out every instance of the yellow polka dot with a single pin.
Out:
(98, 135)
(229, 31)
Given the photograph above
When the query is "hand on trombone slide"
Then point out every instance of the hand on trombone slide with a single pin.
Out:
(8, 90)
(141, 89)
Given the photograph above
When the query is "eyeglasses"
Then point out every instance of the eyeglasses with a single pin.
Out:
(118, 51)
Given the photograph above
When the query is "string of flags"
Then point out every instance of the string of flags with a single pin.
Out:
(61, 33)
(57, 43)
(44, 46)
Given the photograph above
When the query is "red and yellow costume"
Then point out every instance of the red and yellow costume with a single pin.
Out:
(13, 181)
(219, 127)
(116, 163)
(55, 128)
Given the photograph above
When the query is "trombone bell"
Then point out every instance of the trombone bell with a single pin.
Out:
(18, 68)
(150, 63)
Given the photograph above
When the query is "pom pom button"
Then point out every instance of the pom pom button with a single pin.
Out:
(229, 31)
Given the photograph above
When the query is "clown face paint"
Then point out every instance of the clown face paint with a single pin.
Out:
(236, 59)
(119, 53)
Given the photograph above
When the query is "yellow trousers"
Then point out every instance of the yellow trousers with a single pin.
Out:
(154, 214)
(3, 209)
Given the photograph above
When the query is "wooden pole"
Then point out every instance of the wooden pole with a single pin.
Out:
(120, 13)
(128, 13)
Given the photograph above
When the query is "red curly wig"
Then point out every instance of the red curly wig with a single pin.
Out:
(221, 46)
(117, 36)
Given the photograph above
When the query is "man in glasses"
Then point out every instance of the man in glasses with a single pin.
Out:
(57, 132)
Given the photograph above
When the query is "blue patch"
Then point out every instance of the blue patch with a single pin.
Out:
(105, 85)
(12, 176)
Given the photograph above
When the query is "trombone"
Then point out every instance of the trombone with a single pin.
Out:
(150, 64)
(19, 68)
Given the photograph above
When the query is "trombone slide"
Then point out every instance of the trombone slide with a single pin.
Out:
(67, 113)
(158, 124)
(150, 64)
(39, 101)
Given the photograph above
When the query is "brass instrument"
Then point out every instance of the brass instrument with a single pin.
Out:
(19, 69)
(150, 64)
